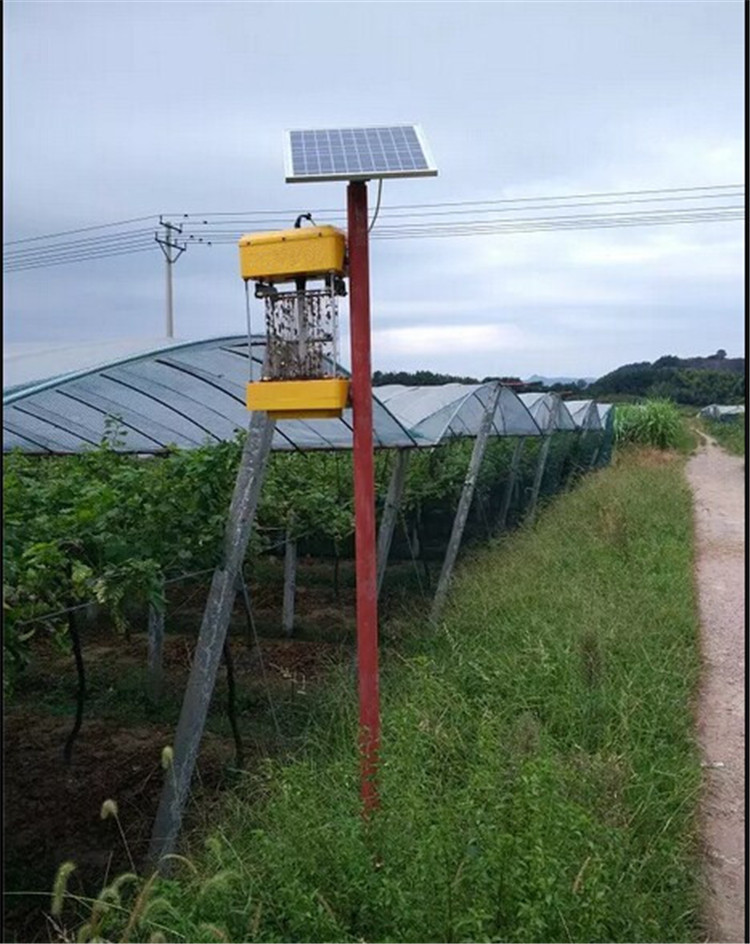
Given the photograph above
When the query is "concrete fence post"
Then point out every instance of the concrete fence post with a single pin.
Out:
(464, 504)
(390, 512)
(210, 646)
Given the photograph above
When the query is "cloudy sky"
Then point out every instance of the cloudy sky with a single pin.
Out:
(115, 110)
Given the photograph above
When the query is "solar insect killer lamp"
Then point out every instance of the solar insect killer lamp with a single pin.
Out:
(296, 364)
(299, 274)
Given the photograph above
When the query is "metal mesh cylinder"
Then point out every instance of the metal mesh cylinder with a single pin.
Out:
(302, 328)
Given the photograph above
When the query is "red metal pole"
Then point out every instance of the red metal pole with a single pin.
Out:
(364, 492)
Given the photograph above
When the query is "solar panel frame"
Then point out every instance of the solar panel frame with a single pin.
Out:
(334, 152)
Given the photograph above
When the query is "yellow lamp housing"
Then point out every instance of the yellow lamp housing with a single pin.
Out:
(325, 398)
(301, 378)
(285, 255)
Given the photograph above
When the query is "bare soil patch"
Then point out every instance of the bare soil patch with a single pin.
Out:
(655, 457)
(53, 812)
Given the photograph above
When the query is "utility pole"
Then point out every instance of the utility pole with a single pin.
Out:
(172, 251)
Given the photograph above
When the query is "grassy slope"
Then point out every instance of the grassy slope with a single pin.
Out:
(539, 776)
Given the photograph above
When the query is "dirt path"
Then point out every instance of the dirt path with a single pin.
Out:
(717, 480)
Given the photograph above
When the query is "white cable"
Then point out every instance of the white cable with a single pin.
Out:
(377, 205)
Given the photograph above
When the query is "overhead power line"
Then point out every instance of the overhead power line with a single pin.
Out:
(601, 222)
(432, 221)
(249, 220)
(419, 206)
(94, 255)
(423, 232)
(431, 232)
(82, 229)
(235, 228)
(700, 192)
(86, 241)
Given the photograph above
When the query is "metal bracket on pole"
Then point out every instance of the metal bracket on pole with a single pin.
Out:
(390, 512)
(515, 463)
(464, 504)
(538, 476)
(210, 646)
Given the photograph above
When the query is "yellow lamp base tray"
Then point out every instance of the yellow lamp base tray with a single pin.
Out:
(305, 415)
(299, 399)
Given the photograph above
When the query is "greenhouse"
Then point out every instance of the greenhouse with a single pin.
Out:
(549, 411)
(585, 414)
(453, 410)
(722, 413)
(456, 463)
(184, 395)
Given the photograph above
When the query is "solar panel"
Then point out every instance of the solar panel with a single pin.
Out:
(357, 154)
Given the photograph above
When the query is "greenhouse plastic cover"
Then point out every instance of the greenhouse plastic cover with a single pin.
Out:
(447, 411)
(185, 394)
(549, 411)
(716, 411)
(29, 362)
(585, 414)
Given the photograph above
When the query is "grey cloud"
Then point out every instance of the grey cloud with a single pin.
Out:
(121, 109)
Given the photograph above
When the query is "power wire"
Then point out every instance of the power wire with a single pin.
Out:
(140, 240)
(82, 229)
(418, 206)
(406, 206)
(562, 203)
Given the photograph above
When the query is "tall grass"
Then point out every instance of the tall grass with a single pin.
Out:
(730, 433)
(539, 776)
(653, 423)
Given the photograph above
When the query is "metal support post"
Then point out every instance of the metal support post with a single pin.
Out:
(390, 512)
(515, 463)
(364, 492)
(464, 504)
(290, 578)
(603, 450)
(538, 476)
(597, 449)
(579, 467)
(155, 658)
(170, 297)
(212, 636)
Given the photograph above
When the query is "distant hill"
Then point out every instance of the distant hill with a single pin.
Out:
(694, 380)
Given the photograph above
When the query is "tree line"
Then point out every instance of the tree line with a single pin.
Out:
(695, 381)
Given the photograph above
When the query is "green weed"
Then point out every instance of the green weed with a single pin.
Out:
(538, 775)
(656, 423)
